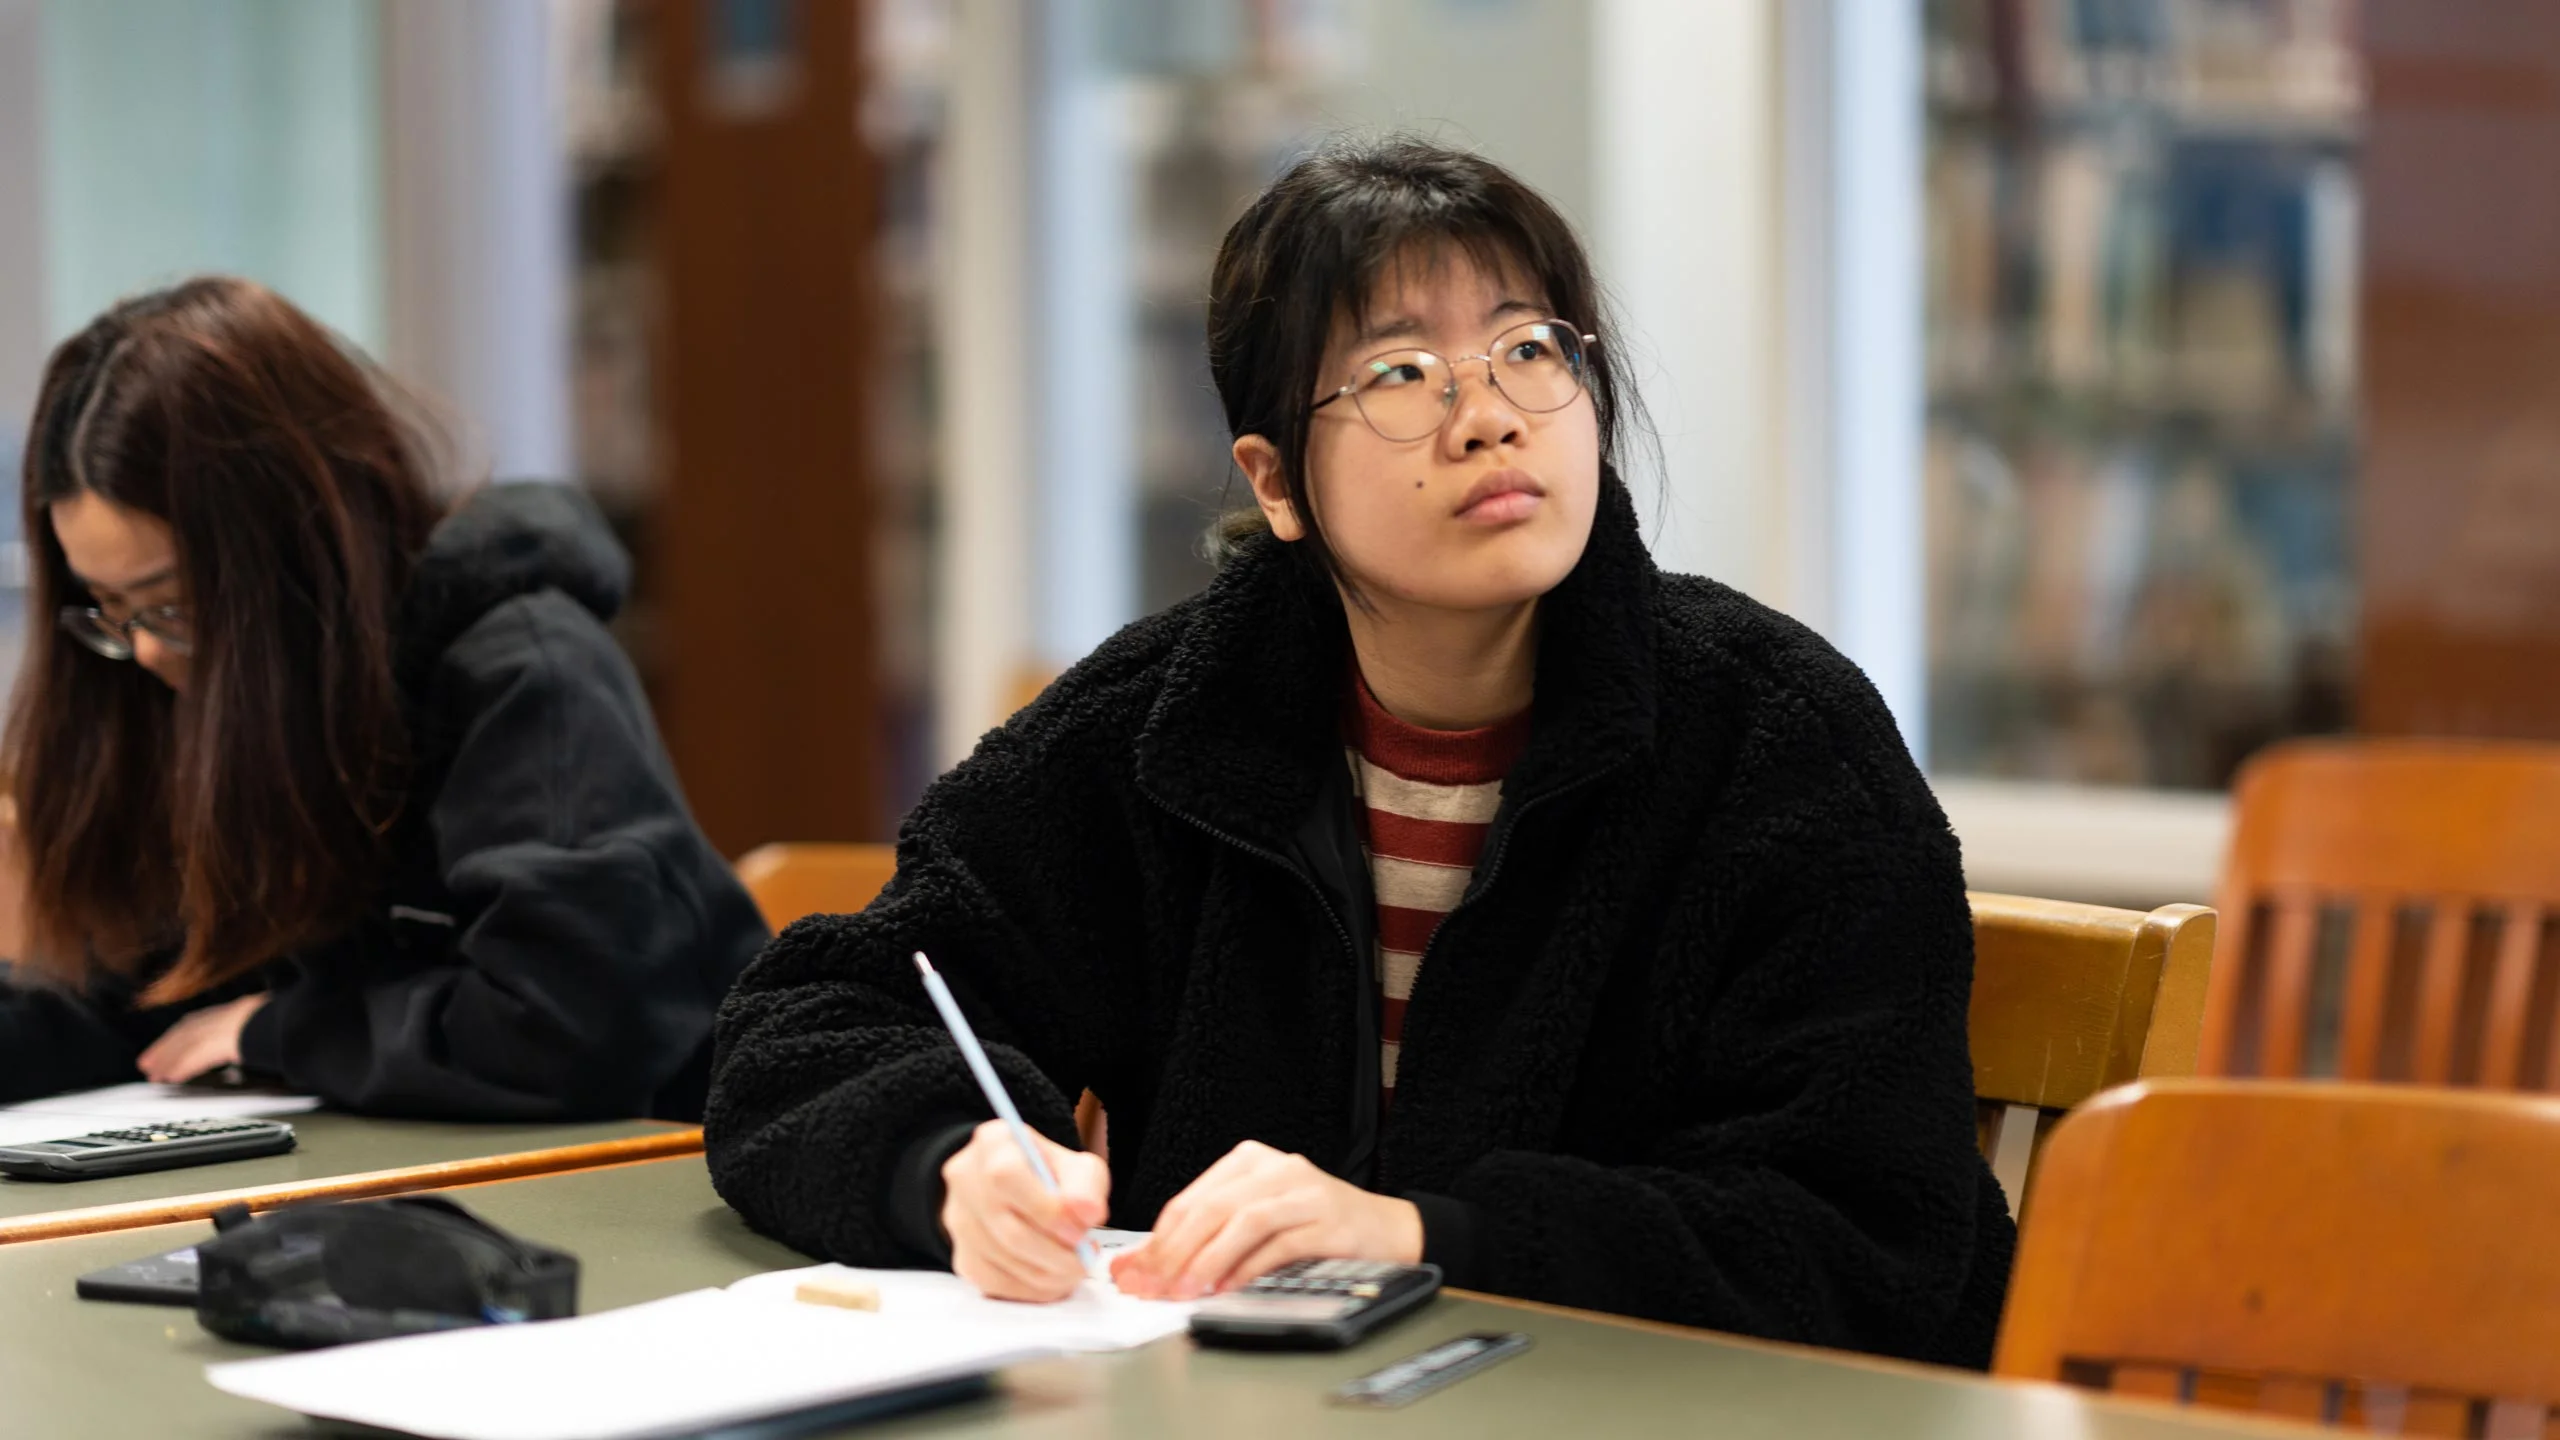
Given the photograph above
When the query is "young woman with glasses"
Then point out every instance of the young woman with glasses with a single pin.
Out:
(310, 777)
(1446, 883)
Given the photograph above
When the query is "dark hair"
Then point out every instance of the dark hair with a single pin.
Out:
(1315, 245)
(249, 815)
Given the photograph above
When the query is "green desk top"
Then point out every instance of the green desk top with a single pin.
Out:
(74, 1369)
(326, 1146)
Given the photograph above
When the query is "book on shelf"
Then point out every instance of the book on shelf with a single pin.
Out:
(2290, 60)
(2143, 272)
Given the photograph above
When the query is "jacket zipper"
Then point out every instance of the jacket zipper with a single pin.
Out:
(1483, 880)
(1361, 977)
(1341, 932)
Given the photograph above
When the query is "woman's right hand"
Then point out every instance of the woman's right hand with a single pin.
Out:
(1009, 1236)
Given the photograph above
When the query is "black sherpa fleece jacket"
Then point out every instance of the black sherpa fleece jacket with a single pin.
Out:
(1692, 1047)
(554, 933)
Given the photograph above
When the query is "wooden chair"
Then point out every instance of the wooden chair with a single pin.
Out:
(788, 881)
(2369, 1255)
(2392, 914)
(2070, 999)
(2067, 999)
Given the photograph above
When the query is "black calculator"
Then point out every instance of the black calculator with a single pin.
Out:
(152, 1146)
(1314, 1305)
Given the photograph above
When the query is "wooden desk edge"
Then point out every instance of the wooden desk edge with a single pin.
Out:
(1858, 1358)
(133, 1215)
(2206, 1415)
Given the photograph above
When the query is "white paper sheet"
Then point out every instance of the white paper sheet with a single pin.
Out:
(674, 1366)
(707, 1358)
(117, 1107)
(1096, 1318)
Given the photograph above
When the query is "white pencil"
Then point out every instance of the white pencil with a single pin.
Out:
(970, 1051)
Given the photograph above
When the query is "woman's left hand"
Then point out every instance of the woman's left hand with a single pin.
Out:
(1255, 1211)
(206, 1040)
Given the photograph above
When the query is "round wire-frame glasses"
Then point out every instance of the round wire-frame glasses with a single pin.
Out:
(1407, 394)
(113, 638)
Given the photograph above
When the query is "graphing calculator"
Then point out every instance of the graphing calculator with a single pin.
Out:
(1314, 1305)
(148, 1146)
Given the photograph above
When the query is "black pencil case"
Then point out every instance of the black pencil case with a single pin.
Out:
(329, 1274)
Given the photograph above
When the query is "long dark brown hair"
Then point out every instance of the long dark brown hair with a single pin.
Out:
(249, 815)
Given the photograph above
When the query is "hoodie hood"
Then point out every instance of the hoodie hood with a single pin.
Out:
(509, 539)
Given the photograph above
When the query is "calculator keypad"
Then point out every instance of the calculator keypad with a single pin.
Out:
(1351, 1279)
(1314, 1304)
(176, 1130)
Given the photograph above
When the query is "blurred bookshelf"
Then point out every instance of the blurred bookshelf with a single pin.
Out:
(611, 128)
(906, 59)
(2140, 308)
(1216, 99)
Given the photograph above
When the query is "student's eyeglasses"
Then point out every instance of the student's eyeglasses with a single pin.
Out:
(113, 638)
(1408, 394)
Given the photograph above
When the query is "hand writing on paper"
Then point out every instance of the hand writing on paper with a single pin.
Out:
(1255, 1211)
(206, 1040)
(1009, 1236)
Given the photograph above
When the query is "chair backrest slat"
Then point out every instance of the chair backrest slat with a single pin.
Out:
(2368, 987)
(2290, 941)
(2540, 1062)
(2439, 989)
(2386, 901)
(2511, 998)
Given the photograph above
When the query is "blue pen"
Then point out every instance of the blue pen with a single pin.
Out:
(996, 1096)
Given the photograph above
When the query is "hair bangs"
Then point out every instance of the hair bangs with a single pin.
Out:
(1320, 245)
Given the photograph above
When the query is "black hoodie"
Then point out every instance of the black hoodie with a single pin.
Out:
(553, 933)
(1691, 1047)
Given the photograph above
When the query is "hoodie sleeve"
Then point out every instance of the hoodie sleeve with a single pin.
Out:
(836, 1091)
(52, 1040)
(598, 929)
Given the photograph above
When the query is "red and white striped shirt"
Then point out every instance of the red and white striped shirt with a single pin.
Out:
(1428, 798)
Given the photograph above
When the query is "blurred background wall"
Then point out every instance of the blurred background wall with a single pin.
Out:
(2126, 384)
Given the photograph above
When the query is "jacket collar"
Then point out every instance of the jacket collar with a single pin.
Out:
(1249, 715)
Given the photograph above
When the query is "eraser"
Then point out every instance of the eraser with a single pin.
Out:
(842, 1294)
